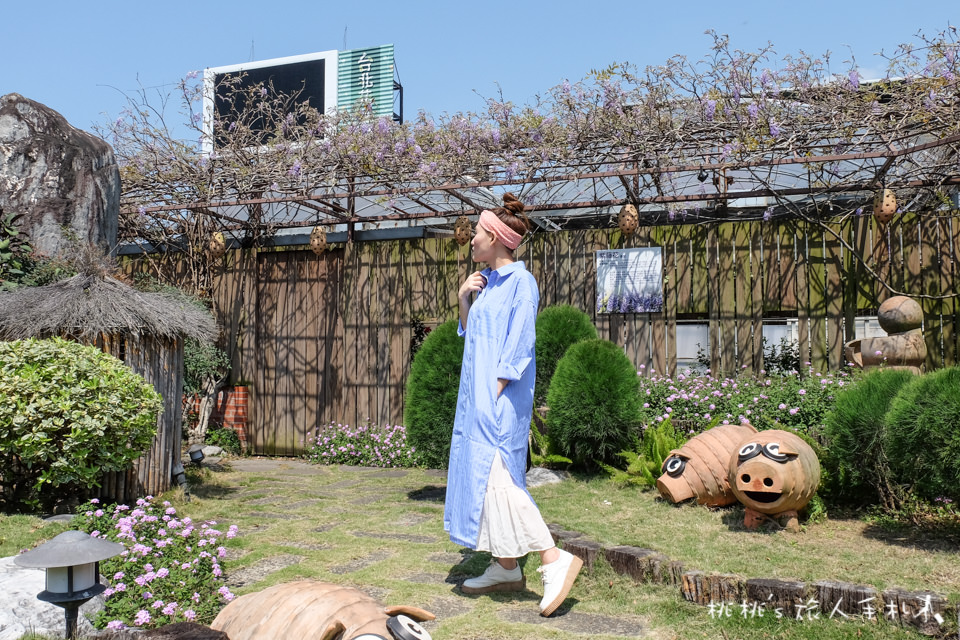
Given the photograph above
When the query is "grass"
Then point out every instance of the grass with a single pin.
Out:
(384, 534)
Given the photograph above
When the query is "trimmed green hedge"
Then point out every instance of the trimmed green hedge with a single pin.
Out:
(431, 403)
(68, 413)
(558, 327)
(923, 434)
(595, 405)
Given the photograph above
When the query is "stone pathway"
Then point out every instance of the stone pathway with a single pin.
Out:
(344, 491)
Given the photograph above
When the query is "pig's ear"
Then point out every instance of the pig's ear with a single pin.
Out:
(334, 630)
(413, 612)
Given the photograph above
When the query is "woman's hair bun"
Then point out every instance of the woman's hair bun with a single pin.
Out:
(512, 204)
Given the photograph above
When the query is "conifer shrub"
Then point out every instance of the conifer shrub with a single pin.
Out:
(68, 413)
(558, 327)
(431, 402)
(922, 438)
(854, 434)
(594, 404)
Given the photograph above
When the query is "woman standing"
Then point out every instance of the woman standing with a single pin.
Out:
(488, 507)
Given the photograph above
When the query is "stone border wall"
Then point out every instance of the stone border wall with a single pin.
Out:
(924, 611)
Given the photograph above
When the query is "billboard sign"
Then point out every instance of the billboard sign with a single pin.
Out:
(313, 76)
(367, 75)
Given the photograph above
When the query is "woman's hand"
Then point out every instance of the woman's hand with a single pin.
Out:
(475, 282)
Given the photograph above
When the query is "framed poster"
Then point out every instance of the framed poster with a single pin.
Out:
(630, 280)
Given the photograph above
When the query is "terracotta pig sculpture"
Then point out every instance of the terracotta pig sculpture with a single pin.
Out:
(698, 469)
(773, 474)
(309, 610)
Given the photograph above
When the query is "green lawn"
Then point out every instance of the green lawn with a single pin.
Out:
(384, 534)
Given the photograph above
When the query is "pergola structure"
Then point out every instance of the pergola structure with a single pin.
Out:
(726, 138)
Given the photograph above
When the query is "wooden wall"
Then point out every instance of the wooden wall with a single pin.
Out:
(327, 338)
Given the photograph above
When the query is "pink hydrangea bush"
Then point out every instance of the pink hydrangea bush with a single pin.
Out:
(171, 568)
(367, 445)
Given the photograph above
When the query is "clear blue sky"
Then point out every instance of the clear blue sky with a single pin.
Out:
(76, 57)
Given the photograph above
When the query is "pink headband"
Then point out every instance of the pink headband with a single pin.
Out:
(510, 238)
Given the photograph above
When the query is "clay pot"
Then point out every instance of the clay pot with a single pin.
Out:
(884, 206)
(698, 469)
(774, 472)
(899, 350)
(628, 220)
(462, 230)
(310, 610)
(318, 240)
(899, 314)
(216, 245)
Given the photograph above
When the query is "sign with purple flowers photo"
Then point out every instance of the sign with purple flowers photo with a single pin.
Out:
(630, 280)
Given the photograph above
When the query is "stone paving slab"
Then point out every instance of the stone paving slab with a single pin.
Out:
(361, 563)
(261, 569)
(405, 537)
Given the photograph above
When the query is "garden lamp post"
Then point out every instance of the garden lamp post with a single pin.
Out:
(72, 562)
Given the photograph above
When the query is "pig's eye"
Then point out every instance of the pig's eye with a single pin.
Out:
(772, 450)
(748, 451)
(674, 466)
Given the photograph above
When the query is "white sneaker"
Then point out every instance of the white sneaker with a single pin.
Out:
(558, 577)
(496, 578)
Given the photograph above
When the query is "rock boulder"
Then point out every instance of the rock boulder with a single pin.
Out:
(65, 181)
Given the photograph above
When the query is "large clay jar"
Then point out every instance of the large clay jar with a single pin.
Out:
(773, 472)
(698, 469)
(309, 610)
(904, 348)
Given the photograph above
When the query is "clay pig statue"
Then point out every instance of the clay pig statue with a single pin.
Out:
(309, 610)
(773, 474)
(698, 469)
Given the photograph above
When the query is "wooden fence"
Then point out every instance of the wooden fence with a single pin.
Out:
(327, 338)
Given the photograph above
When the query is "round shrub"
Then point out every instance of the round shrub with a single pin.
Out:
(923, 441)
(854, 433)
(594, 404)
(431, 402)
(558, 327)
(68, 413)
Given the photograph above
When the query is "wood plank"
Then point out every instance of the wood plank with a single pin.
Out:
(700, 300)
(817, 304)
(743, 294)
(714, 302)
(930, 278)
(951, 325)
(834, 300)
(727, 297)
(801, 294)
(787, 259)
(666, 343)
(350, 301)
(756, 295)
(769, 274)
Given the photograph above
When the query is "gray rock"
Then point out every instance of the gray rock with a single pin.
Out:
(211, 450)
(538, 476)
(60, 178)
(21, 612)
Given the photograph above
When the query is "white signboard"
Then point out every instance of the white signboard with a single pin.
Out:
(630, 280)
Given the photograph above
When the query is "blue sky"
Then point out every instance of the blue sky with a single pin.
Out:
(79, 57)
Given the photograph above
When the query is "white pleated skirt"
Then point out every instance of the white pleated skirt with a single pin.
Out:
(510, 524)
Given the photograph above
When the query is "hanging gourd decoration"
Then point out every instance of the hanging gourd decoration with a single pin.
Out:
(628, 220)
(462, 230)
(884, 206)
(318, 240)
(216, 245)
(316, 610)
(773, 474)
(698, 469)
